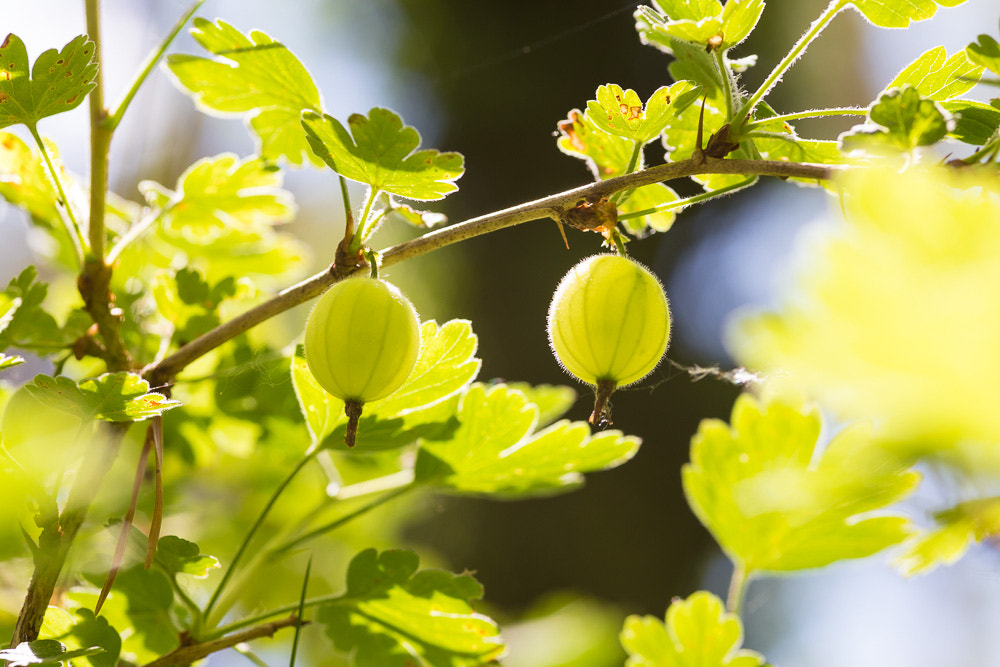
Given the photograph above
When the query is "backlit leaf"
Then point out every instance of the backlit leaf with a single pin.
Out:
(957, 529)
(935, 76)
(774, 506)
(622, 113)
(447, 363)
(697, 632)
(888, 317)
(26, 325)
(697, 21)
(497, 451)
(606, 154)
(221, 194)
(179, 556)
(985, 52)
(899, 13)
(900, 120)
(111, 397)
(253, 76)
(739, 18)
(139, 607)
(382, 152)
(975, 122)
(394, 615)
(59, 80)
(24, 181)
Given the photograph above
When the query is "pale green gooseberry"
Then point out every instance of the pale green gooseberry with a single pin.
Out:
(361, 342)
(609, 325)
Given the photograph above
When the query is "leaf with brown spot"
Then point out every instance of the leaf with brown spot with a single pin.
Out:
(58, 82)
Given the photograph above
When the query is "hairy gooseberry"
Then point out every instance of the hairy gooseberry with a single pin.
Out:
(609, 325)
(361, 342)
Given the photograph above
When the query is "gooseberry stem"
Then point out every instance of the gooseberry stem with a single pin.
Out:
(352, 409)
(601, 416)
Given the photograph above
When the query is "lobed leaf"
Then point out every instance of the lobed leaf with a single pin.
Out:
(902, 120)
(697, 631)
(180, 556)
(739, 18)
(219, 195)
(958, 528)
(899, 13)
(382, 152)
(696, 22)
(447, 363)
(140, 608)
(895, 283)
(986, 52)
(621, 112)
(115, 397)
(496, 450)
(935, 76)
(976, 123)
(25, 324)
(395, 615)
(606, 154)
(7, 361)
(774, 505)
(59, 80)
(253, 76)
(25, 183)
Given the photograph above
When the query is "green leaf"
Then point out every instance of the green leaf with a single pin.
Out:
(322, 411)
(985, 52)
(59, 80)
(696, 21)
(43, 652)
(647, 197)
(139, 606)
(25, 324)
(698, 631)
(179, 556)
(381, 152)
(902, 121)
(447, 363)
(394, 615)
(552, 400)
(254, 76)
(935, 76)
(219, 195)
(775, 506)
(739, 18)
(958, 528)
(96, 631)
(25, 183)
(115, 397)
(7, 361)
(606, 155)
(496, 450)
(899, 13)
(622, 113)
(975, 122)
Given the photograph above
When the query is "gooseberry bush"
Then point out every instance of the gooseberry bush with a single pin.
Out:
(165, 369)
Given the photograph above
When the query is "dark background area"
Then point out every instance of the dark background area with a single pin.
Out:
(504, 74)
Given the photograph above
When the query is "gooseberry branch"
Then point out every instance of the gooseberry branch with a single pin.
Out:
(553, 206)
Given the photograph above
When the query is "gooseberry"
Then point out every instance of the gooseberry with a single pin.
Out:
(361, 342)
(609, 325)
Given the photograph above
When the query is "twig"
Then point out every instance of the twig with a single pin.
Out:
(549, 207)
(188, 653)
